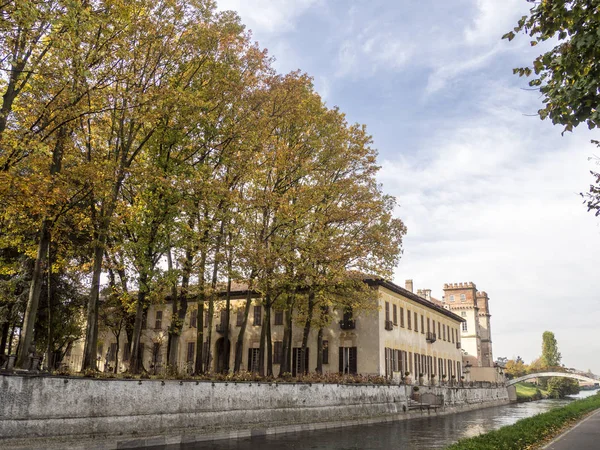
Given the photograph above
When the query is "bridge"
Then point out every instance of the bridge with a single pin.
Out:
(551, 374)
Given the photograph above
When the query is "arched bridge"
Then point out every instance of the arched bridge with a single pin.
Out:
(551, 374)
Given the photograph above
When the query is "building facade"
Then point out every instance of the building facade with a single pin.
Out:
(402, 337)
(473, 306)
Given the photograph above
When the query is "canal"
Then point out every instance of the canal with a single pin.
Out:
(422, 433)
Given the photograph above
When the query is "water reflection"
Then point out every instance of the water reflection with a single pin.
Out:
(423, 433)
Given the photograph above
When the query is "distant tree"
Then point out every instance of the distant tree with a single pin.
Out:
(515, 368)
(550, 355)
(561, 387)
(568, 75)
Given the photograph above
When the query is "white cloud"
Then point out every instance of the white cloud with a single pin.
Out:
(496, 202)
(493, 19)
(268, 16)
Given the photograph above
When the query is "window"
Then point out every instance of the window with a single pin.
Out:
(429, 325)
(463, 298)
(194, 318)
(158, 321)
(277, 352)
(395, 314)
(144, 321)
(325, 352)
(444, 331)
(112, 351)
(191, 352)
(422, 324)
(453, 335)
(126, 352)
(156, 353)
(205, 319)
(205, 355)
(239, 320)
(402, 317)
(253, 357)
(452, 298)
(416, 322)
(433, 325)
(257, 316)
(464, 326)
(463, 314)
(410, 363)
(278, 317)
(409, 317)
(387, 311)
(348, 360)
(439, 336)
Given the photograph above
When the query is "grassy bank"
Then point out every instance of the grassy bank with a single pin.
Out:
(527, 392)
(531, 432)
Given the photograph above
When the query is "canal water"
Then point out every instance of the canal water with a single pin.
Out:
(422, 433)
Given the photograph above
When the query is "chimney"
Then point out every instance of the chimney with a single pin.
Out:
(408, 284)
(427, 293)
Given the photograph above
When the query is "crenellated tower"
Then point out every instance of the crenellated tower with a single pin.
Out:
(462, 299)
(485, 329)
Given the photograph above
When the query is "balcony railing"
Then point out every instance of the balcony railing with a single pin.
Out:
(389, 325)
(430, 337)
(221, 328)
(458, 345)
(347, 324)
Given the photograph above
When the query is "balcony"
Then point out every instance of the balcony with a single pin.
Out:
(389, 325)
(430, 337)
(458, 345)
(221, 328)
(347, 324)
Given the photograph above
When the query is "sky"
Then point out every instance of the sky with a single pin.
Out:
(488, 191)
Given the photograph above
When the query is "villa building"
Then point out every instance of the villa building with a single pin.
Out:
(404, 334)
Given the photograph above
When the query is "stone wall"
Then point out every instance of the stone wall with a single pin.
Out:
(61, 408)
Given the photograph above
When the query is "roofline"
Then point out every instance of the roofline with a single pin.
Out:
(412, 296)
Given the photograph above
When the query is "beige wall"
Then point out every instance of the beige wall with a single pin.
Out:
(369, 336)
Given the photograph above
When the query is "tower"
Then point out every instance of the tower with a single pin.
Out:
(485, 330)
(461, 299)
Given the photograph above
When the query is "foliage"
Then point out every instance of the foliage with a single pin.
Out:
(550, 355)
(561, 387)
(527, 433)
(515, 368)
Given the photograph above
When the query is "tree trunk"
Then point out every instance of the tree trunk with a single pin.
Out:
(306, 331)
(35, 289)
(174, 327)
(261, 350)
(320, 351)
(118, 336)
(267, 325)
(135, 359)
(239, 346)
(213, 294)
(183, 307)
(50, 344)
(287, 337)
(199, 365)
(226, 344)
(91, 331)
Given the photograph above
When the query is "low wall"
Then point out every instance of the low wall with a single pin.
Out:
(67, 408)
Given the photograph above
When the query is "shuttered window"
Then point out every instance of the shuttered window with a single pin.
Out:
(239, 319)
(194, 319)
(277, 352)
(409, 319)
(395, 314)
(402, 317)
(325, 352)
(278, 317)
(158, 320)
(422, 324)
(348, 357)
(253, 357)
(387, 311)
(257, 315)
(416, 322)
(191, 352)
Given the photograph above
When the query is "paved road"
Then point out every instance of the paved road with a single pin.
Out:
(584, 436)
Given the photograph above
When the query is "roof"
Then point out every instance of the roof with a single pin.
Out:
(414, 297)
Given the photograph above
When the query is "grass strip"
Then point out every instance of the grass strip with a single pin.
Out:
(528, 433)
